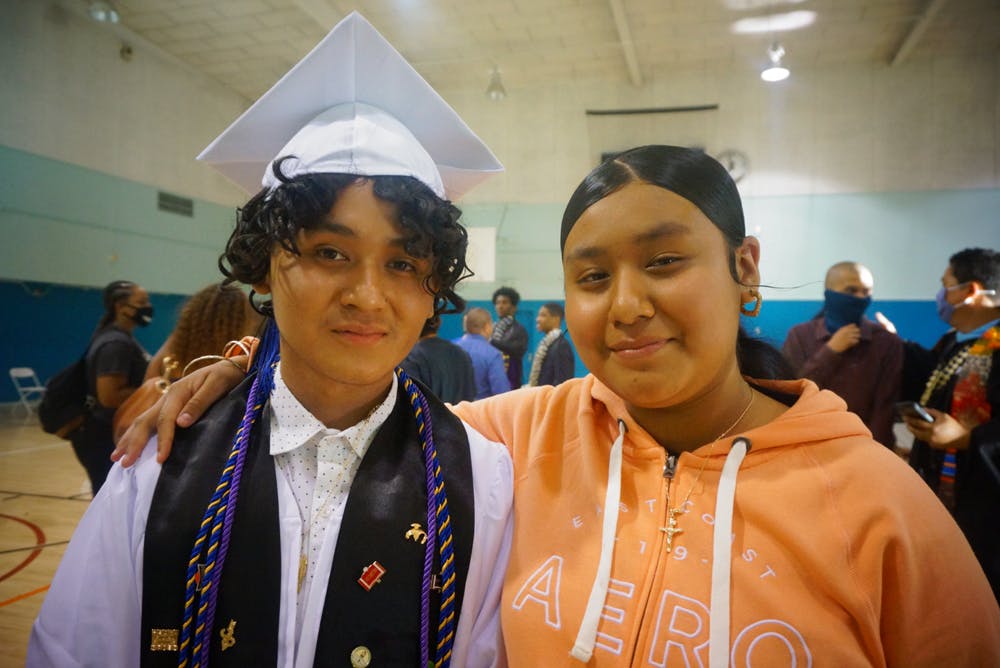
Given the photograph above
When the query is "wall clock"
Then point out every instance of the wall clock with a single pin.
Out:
(735, 162)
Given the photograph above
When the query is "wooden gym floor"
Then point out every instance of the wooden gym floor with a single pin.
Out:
(43, 494)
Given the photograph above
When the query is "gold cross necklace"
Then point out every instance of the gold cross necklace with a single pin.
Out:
(668, 473)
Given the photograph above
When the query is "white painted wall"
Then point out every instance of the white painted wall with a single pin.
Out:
(67, 94)
(930, 128)
(926, 125)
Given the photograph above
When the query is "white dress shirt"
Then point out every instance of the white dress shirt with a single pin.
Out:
(319, 465)
(92, 612)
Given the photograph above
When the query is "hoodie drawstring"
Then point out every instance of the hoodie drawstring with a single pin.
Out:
(587, 636)
(722, 544)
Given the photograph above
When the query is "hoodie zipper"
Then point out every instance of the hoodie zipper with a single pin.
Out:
(659, 558)
(669, 469)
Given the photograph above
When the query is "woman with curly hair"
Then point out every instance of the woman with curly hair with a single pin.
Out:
(329, 511)
(211, 318)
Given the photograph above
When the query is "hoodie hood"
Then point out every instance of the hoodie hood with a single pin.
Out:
(796, 427)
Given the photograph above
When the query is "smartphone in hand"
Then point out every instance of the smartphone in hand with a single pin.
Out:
(914, 410)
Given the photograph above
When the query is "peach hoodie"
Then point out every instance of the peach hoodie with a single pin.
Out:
(839, 555)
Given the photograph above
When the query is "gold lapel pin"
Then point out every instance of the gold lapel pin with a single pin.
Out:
(228, 635)
(416, 534)
(163, 640)
(371, 575)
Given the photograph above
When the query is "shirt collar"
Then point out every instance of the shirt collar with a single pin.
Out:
(962, 337)
(292, 426)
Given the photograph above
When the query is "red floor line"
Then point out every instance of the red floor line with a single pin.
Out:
(39, 540)
(25, 595)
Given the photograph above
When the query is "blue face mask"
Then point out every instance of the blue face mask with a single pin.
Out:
(843, 309)
(945, 309)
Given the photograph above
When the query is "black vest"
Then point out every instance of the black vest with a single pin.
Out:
(387, 496)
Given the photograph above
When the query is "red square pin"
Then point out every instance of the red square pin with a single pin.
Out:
(371, 575)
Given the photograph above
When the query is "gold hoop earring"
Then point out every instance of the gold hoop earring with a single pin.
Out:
(758, 302)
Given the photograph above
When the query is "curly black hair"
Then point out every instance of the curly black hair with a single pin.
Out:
(301, 203)
(510, 293)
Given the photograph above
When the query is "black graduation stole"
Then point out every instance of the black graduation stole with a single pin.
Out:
(388, 496)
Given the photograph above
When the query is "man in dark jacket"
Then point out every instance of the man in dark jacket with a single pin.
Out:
(509, 336)
(958, 453)
(554, 361)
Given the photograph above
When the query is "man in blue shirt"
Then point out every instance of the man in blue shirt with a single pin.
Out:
(487, 361)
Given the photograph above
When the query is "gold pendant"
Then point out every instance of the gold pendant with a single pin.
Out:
(228, 635)
(303, 564)
(671, 529)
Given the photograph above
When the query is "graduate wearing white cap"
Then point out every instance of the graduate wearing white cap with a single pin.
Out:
(329, 511)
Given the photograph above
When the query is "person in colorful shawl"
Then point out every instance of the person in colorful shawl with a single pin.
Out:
(958, 453)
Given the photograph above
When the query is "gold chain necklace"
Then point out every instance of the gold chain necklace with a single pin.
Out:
(942, 374)
(671, 529)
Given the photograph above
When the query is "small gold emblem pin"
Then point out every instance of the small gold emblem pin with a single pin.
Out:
(416, 534)
(361, 657)
(163, 640)
(228, 635)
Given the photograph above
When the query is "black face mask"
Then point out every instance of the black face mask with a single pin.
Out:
(143, 315)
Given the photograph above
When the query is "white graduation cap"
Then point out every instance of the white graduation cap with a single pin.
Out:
(353, 105)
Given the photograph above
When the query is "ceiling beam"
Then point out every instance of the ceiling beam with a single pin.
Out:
(916, 32)
(625, 39)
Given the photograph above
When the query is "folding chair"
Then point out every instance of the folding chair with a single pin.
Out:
(29, 388)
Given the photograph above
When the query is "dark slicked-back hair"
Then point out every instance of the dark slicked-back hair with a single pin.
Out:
(302, 202)
(700, 179)
(690, 173)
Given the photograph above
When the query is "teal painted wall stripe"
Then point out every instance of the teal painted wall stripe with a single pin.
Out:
(68, 224)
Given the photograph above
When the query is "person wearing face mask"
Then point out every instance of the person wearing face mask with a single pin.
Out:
(116, 365)
(843, 351)
(957, 453)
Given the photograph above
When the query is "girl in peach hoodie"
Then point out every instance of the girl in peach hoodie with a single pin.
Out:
(672, 510)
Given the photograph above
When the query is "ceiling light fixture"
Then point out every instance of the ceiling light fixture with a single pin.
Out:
(495, 90)
(776, 72)
(772, 23)
(103, 12)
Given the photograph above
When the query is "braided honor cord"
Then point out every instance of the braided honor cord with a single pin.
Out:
(438, 531)
(212, 541)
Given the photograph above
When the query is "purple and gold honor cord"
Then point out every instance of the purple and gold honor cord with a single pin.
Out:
(212, 541)
(438, 531)
(211, 544)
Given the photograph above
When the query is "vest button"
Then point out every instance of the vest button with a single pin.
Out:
(361, 657)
